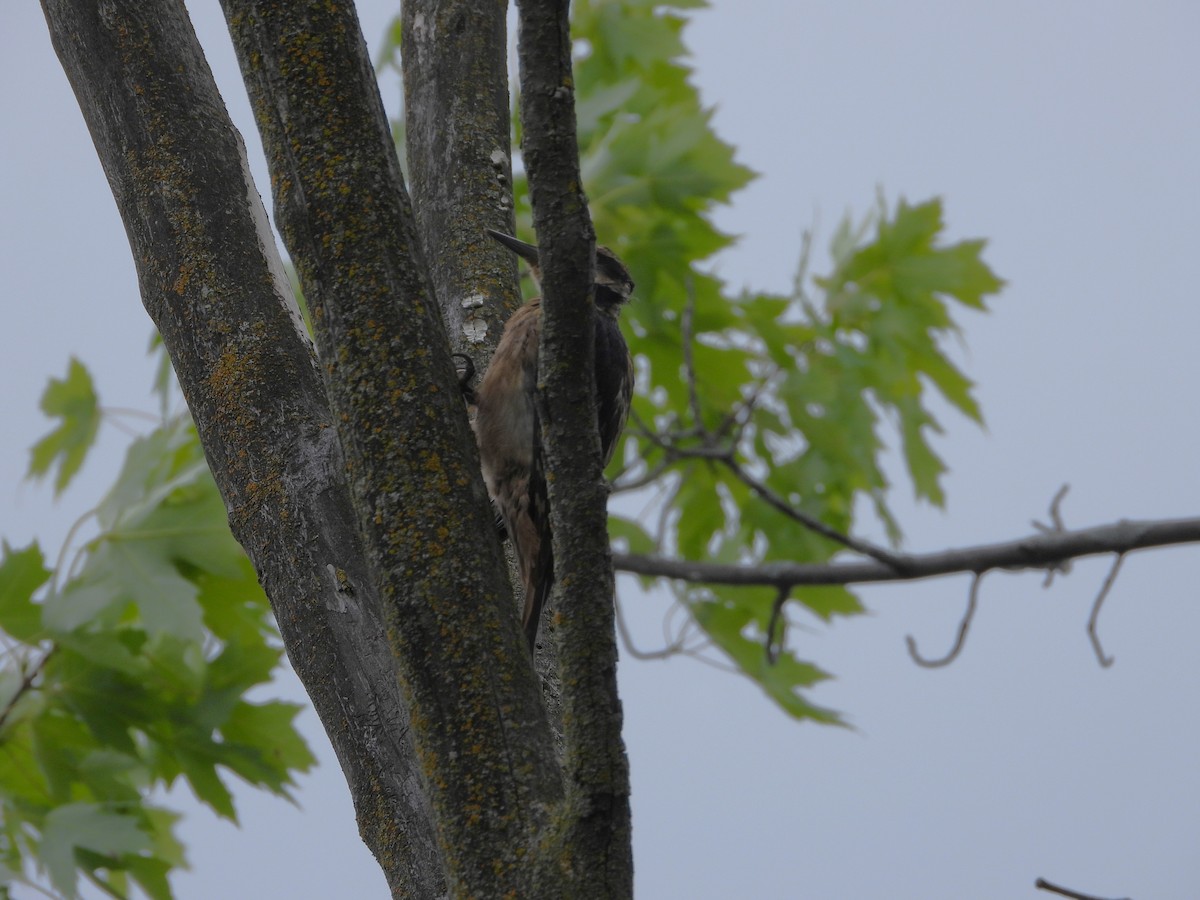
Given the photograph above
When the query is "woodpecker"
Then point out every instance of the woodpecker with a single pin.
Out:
(506, 420)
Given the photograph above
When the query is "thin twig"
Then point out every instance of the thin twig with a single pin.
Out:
(1105, 661)
(25, 686)
(812, 523)
(775, 643)
(725, 455)
(627, 639)
(651, 475)
(720, 665)
(1056, 526)
(128, 430)
(66, 545)
(741, 414)
(963, 627)
(1043, 885)
(666, 441)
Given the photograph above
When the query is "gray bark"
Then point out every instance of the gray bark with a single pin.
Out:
(212, 282)
(460, 162)
(594, 827)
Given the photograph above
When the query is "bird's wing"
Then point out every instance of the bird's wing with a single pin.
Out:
(614, 383)
(540, 578)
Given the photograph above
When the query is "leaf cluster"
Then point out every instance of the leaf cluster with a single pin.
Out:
(127, 664)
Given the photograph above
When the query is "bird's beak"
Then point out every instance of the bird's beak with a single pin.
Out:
(527, 252)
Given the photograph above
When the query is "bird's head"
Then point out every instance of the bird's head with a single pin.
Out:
(613, 282)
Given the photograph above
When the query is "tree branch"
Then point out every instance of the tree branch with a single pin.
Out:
(1043, 885)
(1105, 661)
(594, 832)
(477, 722)
(457, 121)
(1037, 551)
(212, 281)
(963, 627)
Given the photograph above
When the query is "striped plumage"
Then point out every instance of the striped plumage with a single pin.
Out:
(506, 420)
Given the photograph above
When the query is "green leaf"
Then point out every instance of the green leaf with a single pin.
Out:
(83, 601)
(632, 534)
(165, 599)
(86, 826)
(210, 790)
(156, 465)
(829, 600)
(161, 824)
(268, 731)
(235, 609)
(120, 573)
(74, 401)
(242, 666)
(783, 680)
(22, 782)
(118, 650)
(57, 741)
(151, 875)
(22, 572)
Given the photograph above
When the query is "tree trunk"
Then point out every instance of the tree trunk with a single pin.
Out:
(460, 162)
(595, 828)
(214, 285)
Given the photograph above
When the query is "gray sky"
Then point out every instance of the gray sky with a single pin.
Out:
(1066, 133)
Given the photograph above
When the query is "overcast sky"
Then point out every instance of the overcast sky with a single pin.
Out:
(1068, 135)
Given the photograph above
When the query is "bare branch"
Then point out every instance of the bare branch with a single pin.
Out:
(963, 627)
(1033, 552)
(594, 831)
(1043, 885)
(1104, 661)
(1056, 526)
(775, 641)
(891, 560)
(1056, 521)
(674, 648)
(741, 414)
(725, 454)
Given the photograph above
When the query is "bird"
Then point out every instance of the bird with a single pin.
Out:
(506, 418)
